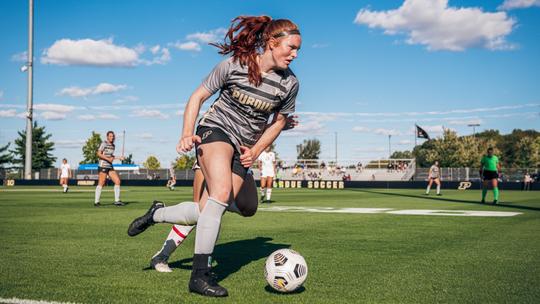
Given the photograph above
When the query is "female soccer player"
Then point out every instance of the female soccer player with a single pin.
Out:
(245, 205)
(106, 156)
(434, 176)
(65, 173)
(254, 83)
(267, 165)
(490, 168)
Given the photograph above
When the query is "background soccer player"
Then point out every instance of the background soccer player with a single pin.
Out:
(434, 175)
(267, 165)
(490, 168)
(106, 156)
(65, 173)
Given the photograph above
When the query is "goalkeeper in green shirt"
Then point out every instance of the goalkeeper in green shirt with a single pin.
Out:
(489, 171)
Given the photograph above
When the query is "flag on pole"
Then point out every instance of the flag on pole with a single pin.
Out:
(421, 133)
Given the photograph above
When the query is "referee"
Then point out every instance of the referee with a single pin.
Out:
(489, 171)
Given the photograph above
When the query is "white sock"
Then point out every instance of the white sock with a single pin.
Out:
(174, 239)
(186, 213)
(438, 189)
(427, 189)
(268, 193)
(208, 226)
(65, 187)
(98, 194)
(262, 191)
(116, 193)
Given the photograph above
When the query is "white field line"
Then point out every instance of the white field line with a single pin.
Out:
(55, 190)
(26, 301)
(391, 211)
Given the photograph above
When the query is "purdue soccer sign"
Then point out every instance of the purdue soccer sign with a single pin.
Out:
(296, 184)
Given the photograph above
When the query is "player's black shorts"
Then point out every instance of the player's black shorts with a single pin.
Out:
(434, 178)
(105, 170)
(209, 135)
(489, 175)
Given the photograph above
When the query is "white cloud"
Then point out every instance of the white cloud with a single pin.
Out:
(145, 135)
(20, 57)
(382, 131)
(361, 129)
(67, 144)
(86, 117)
(307, 128)
(434, 129)
(404, 142)
(102, 88)
(162, 56)
(103, 53)
(439, 27)
(49, 115)
(465, 122)
(108, 116)
(187, 46)
(149, 114)
(208, 37)
(126, 99)
(8, 113)
(512, 4)
(51, 107)
(100, 116)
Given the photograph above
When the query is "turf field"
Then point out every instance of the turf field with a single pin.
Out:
(58, 247)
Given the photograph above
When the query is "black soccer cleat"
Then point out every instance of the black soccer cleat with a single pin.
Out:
(495, 202)
(206, 285)
(119, 203)
(97, 204)
(483, 201)
(141, 223)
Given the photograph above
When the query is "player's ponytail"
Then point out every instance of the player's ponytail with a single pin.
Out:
(248, 36)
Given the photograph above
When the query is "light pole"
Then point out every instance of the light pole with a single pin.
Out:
(29, 107)
(389, 146)
(474, 125)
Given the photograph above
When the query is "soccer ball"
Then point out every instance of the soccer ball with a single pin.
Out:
(285, 270)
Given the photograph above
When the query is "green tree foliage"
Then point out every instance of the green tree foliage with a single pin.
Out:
(41, 148)
(184, 161)
(128, 160)
(402, 154)
(309, 149)
(5, 156)
(90, 149)
(517, 149)
(152, 163)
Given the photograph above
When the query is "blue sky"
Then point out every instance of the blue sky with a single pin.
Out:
(367, 69)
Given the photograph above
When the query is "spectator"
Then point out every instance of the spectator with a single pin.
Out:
(527, 182)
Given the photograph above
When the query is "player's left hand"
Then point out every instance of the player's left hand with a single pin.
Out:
(291, 122)
(247, 157)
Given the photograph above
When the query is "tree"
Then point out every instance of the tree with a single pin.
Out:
(184, 161)
(402, 154)
(152, 163)
(128, 160)
(5, 158)
(90, 149)
(41, 146)
(527, 152)
(309, 149)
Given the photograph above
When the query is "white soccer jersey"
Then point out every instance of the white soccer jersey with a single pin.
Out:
(64, 170)
(434, 171)
(267, 159)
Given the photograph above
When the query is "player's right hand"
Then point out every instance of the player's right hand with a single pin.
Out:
(186, 143)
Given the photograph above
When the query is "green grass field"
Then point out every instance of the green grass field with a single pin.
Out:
(58, 247)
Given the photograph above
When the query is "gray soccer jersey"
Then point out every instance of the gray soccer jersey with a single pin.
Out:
(107, 150)
(242, 109)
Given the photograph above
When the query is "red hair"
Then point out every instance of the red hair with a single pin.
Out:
(252, 36)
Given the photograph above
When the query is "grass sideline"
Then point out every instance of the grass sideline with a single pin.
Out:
(58, 247)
